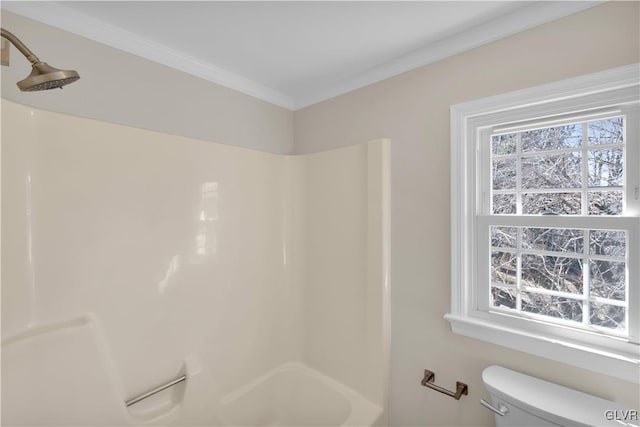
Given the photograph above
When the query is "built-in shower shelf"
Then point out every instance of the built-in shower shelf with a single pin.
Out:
(77, 378)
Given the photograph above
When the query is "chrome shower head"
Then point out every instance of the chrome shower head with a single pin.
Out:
(43, 76)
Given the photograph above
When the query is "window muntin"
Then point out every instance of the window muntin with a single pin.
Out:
(551, 274)
(576, 277)
(572, 169)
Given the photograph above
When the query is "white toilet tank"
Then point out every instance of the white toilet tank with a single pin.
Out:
(529, 401)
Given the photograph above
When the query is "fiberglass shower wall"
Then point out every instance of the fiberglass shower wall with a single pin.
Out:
(131, 256)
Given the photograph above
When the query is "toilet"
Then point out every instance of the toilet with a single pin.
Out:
(521, 400)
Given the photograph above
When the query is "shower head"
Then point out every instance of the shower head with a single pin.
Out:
(43, 76)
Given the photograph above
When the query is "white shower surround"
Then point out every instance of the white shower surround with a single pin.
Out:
(131, 256)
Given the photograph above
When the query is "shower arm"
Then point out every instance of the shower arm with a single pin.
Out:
(43, 76)
(19, 45)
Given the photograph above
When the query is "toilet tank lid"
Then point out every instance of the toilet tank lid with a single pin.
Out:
(551, 401)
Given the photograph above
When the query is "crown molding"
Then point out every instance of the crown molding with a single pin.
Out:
(67, 19)
(54, 14)
(538, 13)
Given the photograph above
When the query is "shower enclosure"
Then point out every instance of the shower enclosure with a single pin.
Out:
(132, 258)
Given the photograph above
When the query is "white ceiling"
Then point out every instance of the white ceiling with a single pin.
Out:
(295, 53)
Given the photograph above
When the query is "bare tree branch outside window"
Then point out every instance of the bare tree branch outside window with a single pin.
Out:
(571, 274)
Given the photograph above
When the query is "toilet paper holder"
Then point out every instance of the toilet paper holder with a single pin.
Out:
(428, 381)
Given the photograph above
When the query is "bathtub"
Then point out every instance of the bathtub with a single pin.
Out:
(294, 394)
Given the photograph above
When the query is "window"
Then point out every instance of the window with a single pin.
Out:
(546, 221)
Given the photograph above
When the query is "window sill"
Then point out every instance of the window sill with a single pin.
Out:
(625, 367)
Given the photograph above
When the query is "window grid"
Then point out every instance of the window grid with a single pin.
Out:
(518, 270)
(557, 253)
(585, 189)
(585, 298)
(518, 184)
(586, 273)
(585, 170)
(554, 151)
(559, 190)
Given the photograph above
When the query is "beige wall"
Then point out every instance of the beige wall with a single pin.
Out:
(413, 111)
(118, 87)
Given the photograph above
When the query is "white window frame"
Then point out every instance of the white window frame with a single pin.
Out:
(615, 91)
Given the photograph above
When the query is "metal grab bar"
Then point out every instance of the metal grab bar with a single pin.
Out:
(429, 378)
(156, 390)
